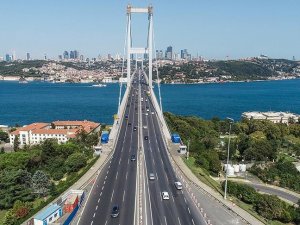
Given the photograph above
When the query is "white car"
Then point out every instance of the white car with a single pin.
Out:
(152, 113)
(165, 195)
(147, 110)
(146, 114)
(145, 127)
(178, 185)
(151, 176)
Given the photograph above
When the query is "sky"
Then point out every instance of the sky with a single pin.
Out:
(213, 29)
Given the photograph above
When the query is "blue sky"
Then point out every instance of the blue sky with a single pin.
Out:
(211, 28)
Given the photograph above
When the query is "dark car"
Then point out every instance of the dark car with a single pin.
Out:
(135, 128)
(129, 124)
(146, 138)
(115, 211)
(133, 158)
(126, 117)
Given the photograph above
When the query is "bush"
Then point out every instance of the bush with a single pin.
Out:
(75, 162)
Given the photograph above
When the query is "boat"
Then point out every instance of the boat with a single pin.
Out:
(99, 85)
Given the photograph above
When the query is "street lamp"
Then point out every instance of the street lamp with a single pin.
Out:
(228, 148)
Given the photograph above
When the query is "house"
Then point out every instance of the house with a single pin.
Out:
(49, 215)
(62, 131)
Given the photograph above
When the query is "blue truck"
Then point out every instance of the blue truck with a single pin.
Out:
(175, 138)
(104, 137)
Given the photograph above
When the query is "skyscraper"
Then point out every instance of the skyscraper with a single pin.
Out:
(27, 56)
(72, 55)
(169, 53)
(76, 54)
(66, 55)
(7, 58)
(183, 54)
(60, 57)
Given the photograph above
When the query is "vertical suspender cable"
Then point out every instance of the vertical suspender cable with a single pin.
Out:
(156, 67)
(122, 70)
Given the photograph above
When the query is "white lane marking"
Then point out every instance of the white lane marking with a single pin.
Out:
(126, 174)
(117, 175)
(108, 166)
(94, 215)
(112, 195)
(105, 222)
(184, 199)
(166, 220)
(98, 200)
(107, 172)
(102, 188)
(92, 222)
(100, 193)
(123, 195)
(105, 177)
(193, 221)
(104, 182)
(189, 210)
(96, 207)
(179, 220)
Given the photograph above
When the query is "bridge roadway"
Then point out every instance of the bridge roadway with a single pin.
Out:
(117, 182)
(179, 210)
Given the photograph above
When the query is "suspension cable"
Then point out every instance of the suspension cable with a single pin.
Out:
(156, 67)
(123, 65)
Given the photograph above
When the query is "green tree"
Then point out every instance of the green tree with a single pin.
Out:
(16, 143)
(14, 185)
(75, 162)
(2, 150)
(40, 183)
(4, 136)
(21, 209)
(10, 218)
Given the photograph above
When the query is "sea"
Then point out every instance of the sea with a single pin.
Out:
(45, 102)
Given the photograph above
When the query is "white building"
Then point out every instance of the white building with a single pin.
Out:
(275, 117)
(48, 215)
(62, 131)
(107, 80)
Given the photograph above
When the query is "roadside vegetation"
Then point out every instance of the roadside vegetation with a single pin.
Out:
(33, 176)
(272, 148)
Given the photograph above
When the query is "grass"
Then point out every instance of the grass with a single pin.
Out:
(202, 174)
(2, 214)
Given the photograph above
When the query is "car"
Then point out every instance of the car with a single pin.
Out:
(146, 138)
(146, 100)
(145, 127)
(115, 211)
(129, 124)
(135, 128)
(165, 195)
(151, 176)
(152, 113)
(146, 114)
(126, 117)
(178, 185)
(133, 158)
(147, 110)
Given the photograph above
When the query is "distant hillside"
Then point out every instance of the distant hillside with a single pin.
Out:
(254, 69)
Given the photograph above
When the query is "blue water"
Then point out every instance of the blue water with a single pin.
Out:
(36, 101)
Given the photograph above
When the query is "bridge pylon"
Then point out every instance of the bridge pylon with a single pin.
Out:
(139, 50)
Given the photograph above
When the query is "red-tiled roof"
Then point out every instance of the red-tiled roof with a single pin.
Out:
(29, 127)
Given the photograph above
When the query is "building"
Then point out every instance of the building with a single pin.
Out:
(169, 53)
(275, 117)
(28, 56)
(49, 215)
(66, 55)
(7, 58)
(62, 131)
(107, 80)
(159, 54)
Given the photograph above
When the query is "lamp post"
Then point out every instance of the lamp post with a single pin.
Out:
(228, 148)
(188, 150)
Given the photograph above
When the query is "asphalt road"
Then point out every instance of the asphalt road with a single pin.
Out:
(179, 209)
(116, 185)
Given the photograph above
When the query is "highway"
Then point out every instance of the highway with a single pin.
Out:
(179, 209)
(116, 184)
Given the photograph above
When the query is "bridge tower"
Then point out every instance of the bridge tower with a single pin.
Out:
(139, 50)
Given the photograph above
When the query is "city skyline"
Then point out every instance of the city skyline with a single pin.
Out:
(212, 30)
